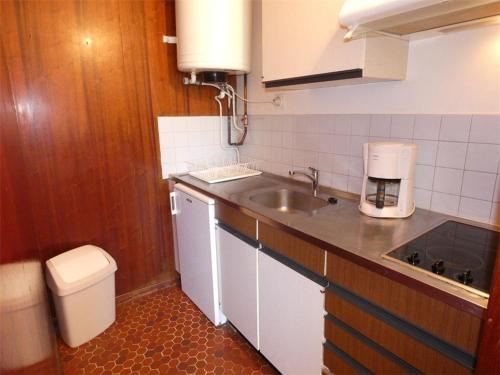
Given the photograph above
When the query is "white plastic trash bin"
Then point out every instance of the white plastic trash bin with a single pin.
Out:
(25, 329)
(82, 281)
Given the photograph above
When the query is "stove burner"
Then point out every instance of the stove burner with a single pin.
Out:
(413, 258)
(454, 256)
(465, 277)
(438, 267)
(454, 251)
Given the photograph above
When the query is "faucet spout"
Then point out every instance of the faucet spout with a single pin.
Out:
(313, 176)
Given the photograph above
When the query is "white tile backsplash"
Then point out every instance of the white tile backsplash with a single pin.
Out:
(427, 127)
(424, 176)
(457, 156)
(325, 162)
(478, 185)
(445, 203)
(482, 157)
(356, 145)
(495, 214)
(360, 125)
(354, 184)
(188, 139)
(455, 128)
(340, 181)
(341, 144)
(356, 166)
(485, 129)
(475, 209)
(448, 180)
(402, 126)
(426, 151)
(457, 174)
(496, 192)
(380, 126)
(342, 125)
(451, 154)
(422, 198)
(340, 164)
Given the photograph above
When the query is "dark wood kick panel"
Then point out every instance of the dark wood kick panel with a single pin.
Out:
(300, 251)
(359, 351)
(236, 219)
(454, 326)
(408, 349)
(335, 364)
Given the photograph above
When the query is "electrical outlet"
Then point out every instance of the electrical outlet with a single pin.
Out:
(279, 101)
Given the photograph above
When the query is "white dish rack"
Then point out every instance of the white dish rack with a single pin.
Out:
(222, 170)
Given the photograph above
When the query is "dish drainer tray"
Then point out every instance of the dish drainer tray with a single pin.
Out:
(236, 171)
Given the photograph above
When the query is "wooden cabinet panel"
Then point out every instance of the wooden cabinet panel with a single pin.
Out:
(87, 80)
(336, 365)
(455, 326)
(489, 347)
(300, 251)
(405, 347)
(359, 351)
(236, 219)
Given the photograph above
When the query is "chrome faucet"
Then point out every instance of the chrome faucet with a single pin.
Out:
(314, 177)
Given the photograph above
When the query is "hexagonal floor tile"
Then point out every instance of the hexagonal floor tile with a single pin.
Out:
(164, 333)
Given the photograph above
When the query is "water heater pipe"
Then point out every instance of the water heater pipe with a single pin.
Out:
(244, 118)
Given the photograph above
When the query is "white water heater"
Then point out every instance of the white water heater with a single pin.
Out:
(213, 35)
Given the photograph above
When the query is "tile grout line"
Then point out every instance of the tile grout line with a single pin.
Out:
(435, 163)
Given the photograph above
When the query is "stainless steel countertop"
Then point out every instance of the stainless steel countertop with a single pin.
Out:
(340, 225)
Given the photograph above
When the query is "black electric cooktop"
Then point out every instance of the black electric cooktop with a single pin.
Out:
(462, 253)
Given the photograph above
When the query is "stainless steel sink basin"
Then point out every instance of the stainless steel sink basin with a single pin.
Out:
(288, 201)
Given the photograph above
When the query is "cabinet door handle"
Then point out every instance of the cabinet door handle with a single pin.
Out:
(173, 206)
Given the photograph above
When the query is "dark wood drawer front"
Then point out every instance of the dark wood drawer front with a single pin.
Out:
(236, 219)
(360, 351)
(337, 365)
(302, 252)
(407, 348)
(454, 326)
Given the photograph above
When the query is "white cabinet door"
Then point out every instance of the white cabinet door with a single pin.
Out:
(303, 38)
(238, 284)
(290, 318)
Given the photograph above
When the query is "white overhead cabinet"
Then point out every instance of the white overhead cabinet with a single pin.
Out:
(303, 46)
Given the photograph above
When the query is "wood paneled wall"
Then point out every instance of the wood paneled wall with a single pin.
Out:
(87, 80)
(16, 243)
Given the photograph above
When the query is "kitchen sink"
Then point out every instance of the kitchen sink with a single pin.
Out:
(288, 201)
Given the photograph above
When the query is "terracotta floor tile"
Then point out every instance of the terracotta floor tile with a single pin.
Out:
(164, 333)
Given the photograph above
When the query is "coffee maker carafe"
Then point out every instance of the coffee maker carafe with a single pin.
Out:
(387, 189)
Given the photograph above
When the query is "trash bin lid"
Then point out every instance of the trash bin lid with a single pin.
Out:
(79, 268)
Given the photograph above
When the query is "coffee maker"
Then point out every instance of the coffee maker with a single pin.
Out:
(387, 190)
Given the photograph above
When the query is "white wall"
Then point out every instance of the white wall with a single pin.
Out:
(454, 74)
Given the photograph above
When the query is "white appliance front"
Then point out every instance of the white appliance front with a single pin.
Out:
(195, 227)
(239, 284)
